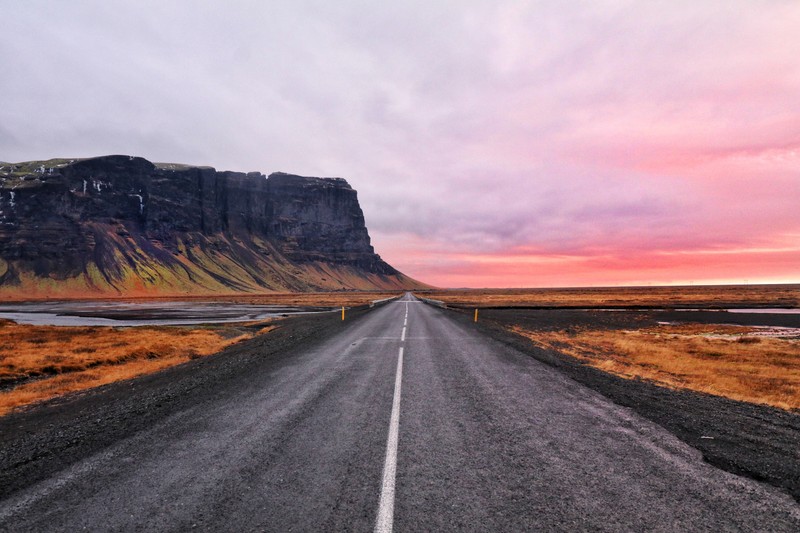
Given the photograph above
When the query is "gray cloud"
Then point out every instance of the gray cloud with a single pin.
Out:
(478, 126)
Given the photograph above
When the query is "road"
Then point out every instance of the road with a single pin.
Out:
(407, 420)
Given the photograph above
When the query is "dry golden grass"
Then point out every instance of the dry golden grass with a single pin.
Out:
(303, 299)
(313, 299)
(723, 360)
(693, 296)
(42, 362)
(49, 361)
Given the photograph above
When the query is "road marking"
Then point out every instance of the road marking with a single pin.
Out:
(403, 335)
(385, 519)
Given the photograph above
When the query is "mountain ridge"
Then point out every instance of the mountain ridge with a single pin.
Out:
(121, 225)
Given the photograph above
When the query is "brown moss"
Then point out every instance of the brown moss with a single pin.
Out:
(766, 371)
(49, 361)
(700, 296)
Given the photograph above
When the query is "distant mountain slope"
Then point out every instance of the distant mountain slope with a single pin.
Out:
(120, 225)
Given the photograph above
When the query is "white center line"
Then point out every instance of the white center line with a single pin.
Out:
(403, 335)
(385, 520)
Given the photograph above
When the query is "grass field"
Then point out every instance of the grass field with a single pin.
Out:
(615, 297)
(311, 299)
(730, 361)
(738, 362)
(41, 362)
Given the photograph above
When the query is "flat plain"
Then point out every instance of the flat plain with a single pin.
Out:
(38, 363)
(699, 296)
(625, 331)
(740, 342)
(42, 362)
(288, 431)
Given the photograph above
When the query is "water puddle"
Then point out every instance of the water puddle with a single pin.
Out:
(767, 332)
(773, 311)
(164, 313)
(774, 331)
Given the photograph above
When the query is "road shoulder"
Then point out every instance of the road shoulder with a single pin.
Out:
(760, 442)
(46, 438)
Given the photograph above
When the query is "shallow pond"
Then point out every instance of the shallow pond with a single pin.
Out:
(774, 311)
(163, 313)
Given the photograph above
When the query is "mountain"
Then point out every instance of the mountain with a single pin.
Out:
(121, 225)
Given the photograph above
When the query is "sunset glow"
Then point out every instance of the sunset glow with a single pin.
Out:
(598, 268)
(492, 144)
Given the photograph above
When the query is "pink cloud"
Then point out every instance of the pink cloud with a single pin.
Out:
(491, 143)
(730, 266)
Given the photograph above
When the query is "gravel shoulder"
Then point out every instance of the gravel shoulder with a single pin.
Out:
(756, 441)
(759, 442)
(46, 438)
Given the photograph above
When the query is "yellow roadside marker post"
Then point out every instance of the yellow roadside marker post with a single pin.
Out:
(476, 315)
(342, 313)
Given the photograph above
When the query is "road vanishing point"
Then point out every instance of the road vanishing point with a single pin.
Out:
(404, 419)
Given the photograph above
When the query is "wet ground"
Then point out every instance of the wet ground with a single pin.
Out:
(784, 318)
(753, 440)
(288, 431)
(557, 319)
(162, 313)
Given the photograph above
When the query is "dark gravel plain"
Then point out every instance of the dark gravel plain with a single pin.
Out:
(288, 431)
(756, 441)
(46, 438)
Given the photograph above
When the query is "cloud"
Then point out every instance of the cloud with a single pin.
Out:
(592, 130)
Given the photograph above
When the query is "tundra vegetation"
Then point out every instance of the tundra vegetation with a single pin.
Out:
(42, 362)
(748, 363)
(705, 297)
(732, 361)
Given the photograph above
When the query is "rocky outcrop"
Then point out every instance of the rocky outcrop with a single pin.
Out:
(123, 225)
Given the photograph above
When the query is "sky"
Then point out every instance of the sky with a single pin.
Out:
(492, 143)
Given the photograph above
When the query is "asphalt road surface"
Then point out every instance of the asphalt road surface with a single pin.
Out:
(408, 420)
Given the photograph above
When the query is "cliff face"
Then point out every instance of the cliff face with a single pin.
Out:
(123, 225)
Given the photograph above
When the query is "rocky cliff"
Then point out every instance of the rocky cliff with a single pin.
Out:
(120, 225)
